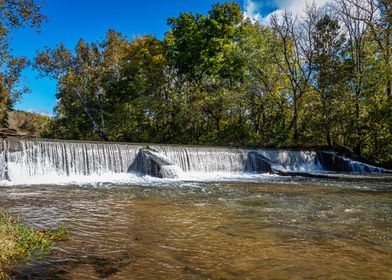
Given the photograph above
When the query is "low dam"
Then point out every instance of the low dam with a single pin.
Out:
(29, 160)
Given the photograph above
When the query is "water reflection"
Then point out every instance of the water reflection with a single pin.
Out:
(300, 230)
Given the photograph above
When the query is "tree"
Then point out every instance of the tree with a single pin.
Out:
(328, 58)
(199, 50)
(13, 15)
(377, 16)
(263, 84)
(140, 101)
(376, 101)
(199, 42)
(84, 77)
(354, 19)
(295, 43)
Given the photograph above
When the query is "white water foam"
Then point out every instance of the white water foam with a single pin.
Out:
(132, 179)
(29, 162)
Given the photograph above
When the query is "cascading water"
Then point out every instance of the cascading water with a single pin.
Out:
(294, 160)
(43, 159)
(208, 159)
(215, 159)
(331, 161)
(3, 160)
(360, 167)
(48, 161)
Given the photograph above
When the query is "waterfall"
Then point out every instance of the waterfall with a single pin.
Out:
(360, 167)
(32, 159)
(3, 160)
(294, 160)
(208, 159)
(331, 161)
(215, 159)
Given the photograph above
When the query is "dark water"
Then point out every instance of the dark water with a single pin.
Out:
(291, 229)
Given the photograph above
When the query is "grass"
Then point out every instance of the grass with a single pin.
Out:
(19, 242)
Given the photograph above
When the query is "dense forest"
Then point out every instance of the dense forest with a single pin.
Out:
(319, 78)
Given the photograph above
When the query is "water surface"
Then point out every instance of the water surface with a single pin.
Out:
(284, 228)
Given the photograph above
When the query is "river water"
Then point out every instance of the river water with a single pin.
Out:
(270, 228)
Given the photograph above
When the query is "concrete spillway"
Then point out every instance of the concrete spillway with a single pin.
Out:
(32, 159)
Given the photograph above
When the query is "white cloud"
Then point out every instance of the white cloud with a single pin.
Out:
(298, 6)
(252, 8)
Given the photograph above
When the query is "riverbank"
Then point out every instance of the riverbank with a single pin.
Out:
(19, 242)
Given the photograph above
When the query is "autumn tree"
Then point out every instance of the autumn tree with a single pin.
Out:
(14, 15)
(84, 77)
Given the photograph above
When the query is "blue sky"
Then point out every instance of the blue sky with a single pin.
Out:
(90, 19)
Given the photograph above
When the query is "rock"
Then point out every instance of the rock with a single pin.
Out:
(150, 162)
(9, 132)
(264, 164)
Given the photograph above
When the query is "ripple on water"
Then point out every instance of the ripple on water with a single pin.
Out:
(211, 230)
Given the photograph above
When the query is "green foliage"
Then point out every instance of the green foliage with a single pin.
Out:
(222, 79)
(85, 76)
(199, 42)
(13, 15)
(20, 242)
(32, 123)
(328, 60)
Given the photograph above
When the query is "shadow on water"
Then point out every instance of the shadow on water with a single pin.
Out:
(103, 267)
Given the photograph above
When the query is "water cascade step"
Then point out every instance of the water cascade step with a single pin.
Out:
(208, 159)
(331, 161)
(266, 165)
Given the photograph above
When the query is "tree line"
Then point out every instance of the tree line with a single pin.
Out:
(321, 77)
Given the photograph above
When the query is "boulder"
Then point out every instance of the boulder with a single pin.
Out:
(10, 132)
(150, 162)
(264, 164)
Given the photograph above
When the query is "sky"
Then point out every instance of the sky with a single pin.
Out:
(70, 20)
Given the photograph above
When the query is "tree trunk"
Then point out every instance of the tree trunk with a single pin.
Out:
(357, 148)
(295, 120)
(102, 134)
(325, 115)
(96, 127)
(328, 134)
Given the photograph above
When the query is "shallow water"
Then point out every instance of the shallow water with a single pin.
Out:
(285, 228)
